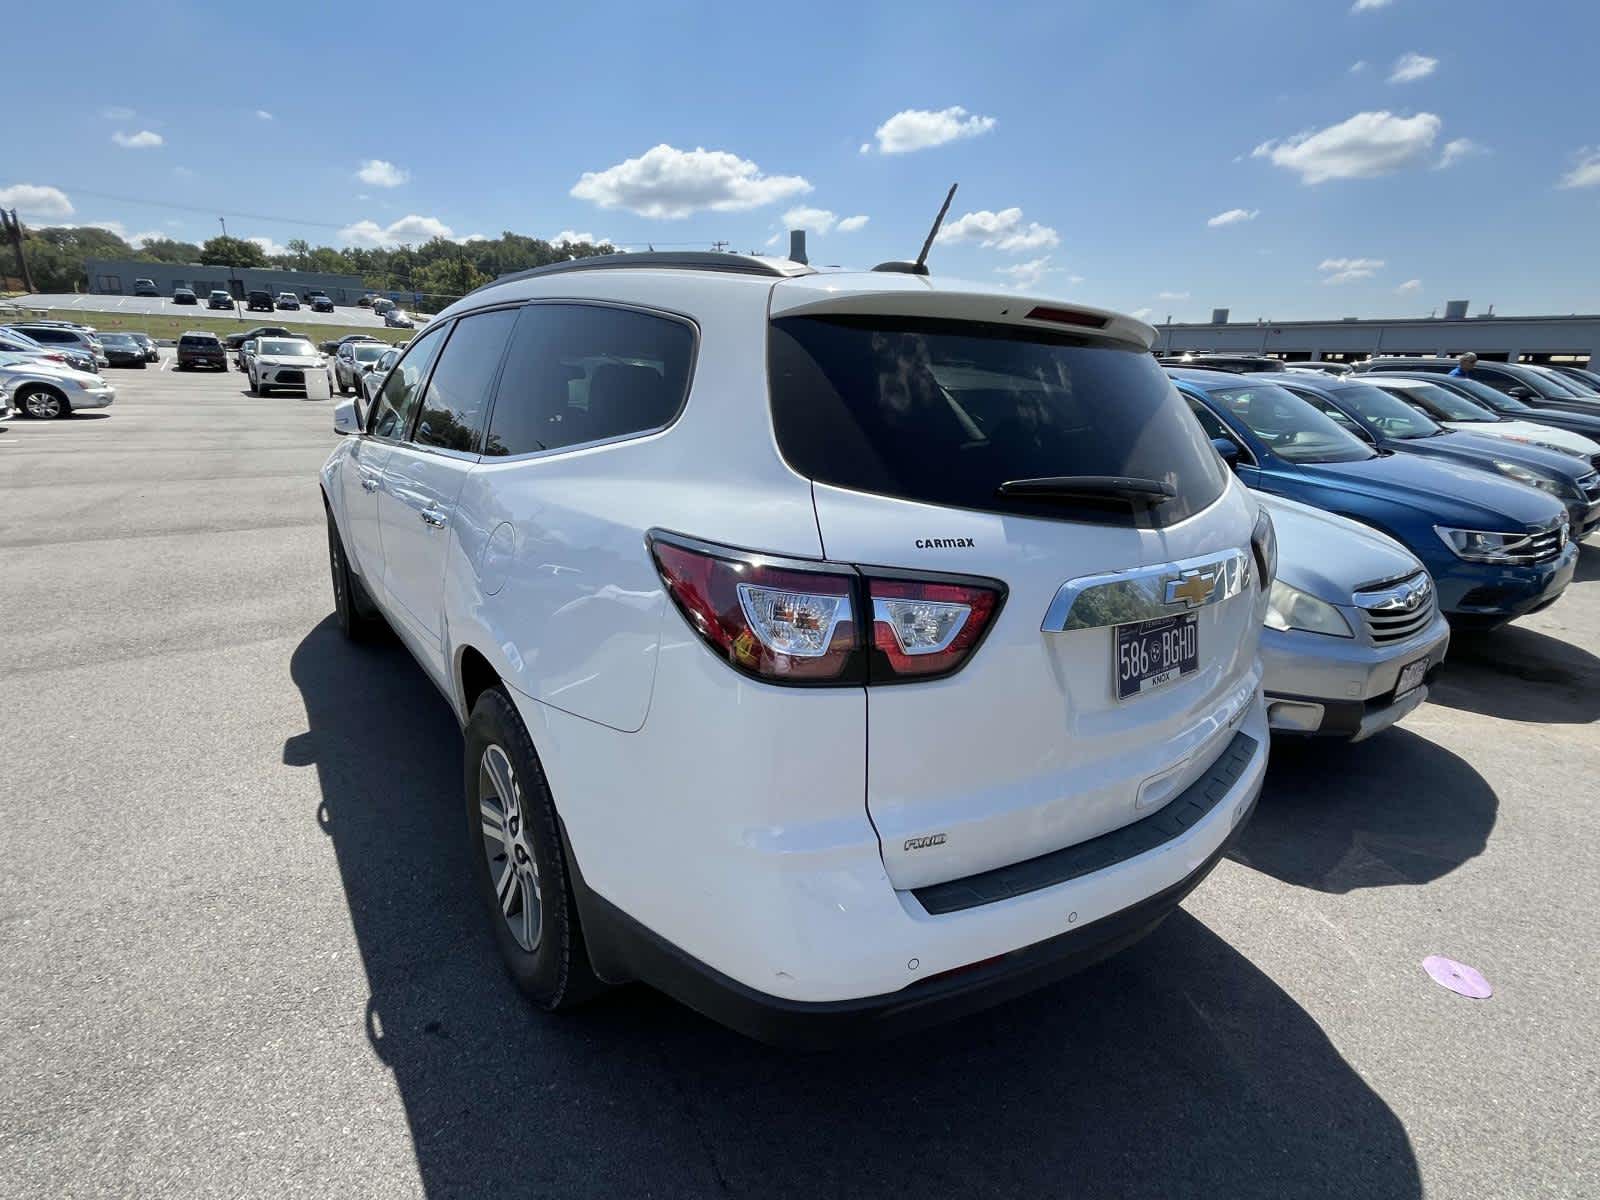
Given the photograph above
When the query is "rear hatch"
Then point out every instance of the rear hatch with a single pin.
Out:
(908, 407)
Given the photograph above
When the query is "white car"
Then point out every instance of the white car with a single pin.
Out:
(45, 390)
(835, 652)
(282, 363)
(1353, 626)
(379, 370)
(1454, 411)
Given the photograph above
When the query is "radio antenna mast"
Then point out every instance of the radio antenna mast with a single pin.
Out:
(922, 258)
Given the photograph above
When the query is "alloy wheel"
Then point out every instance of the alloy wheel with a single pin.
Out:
(42, 404)
(508, 847)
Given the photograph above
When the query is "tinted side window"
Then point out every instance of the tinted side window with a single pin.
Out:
(458, 390)
(57, 336)
(1212, 424)
(392, 410)
(580, 373)
(1498, 380)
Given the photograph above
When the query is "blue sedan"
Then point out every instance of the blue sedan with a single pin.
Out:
(1368, 410)
(1496, 549)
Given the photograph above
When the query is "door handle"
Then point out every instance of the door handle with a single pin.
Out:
(369, 482)
(433, 516)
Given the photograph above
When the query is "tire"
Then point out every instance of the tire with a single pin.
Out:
(42, 403)
(359, 619)
(541, 941)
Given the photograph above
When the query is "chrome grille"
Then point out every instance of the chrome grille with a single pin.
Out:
(1399, 611)
(1544, 546)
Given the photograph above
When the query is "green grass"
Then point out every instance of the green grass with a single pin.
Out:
(171, 328)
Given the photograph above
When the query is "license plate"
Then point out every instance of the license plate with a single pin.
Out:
(1153, 653)
(1411, 677)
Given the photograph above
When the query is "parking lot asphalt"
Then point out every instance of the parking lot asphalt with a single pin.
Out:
(239, 954)
(162, 306)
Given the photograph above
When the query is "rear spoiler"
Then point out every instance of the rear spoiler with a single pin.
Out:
(920, 297)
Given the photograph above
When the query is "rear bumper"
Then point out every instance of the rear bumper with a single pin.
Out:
(823, 1025)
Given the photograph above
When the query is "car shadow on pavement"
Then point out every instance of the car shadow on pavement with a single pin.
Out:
(1588, 564)
(1519, 674)
(1337, 817)
(1175, 1068)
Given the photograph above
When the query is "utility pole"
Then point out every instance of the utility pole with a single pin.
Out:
(233, 281)
(12, 228)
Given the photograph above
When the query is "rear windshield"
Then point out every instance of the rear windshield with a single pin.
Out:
(943, 412)
(203, 342)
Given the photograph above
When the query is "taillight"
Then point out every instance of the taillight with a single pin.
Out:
(796, 622)
(922, 629)
(1264, 542)
(773, 622)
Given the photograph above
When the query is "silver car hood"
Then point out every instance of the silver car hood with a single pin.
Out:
(290, 360)
(1330, 556)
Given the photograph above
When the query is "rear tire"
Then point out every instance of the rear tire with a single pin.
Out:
(518, 864)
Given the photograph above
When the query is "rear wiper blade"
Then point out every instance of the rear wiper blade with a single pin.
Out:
(1130, 488)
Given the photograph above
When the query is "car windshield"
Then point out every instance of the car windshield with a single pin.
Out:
(944, 412)
(1447, 405)
(368, 351)
(1290, 427)
(1490, 398)
(1388, 414)
(287, 346)
(199, 341)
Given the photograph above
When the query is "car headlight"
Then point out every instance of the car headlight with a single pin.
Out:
(1478, 545)
(1545, 483)
(1290, 608)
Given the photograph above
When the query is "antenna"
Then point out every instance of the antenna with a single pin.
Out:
(934, 232)
(920, 267)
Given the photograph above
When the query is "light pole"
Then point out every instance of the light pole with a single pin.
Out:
(233, 282)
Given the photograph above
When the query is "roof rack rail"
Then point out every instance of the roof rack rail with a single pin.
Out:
(688, 260)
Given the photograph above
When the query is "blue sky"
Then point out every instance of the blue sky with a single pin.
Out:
(1280, 159)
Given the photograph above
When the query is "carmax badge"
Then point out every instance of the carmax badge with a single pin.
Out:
(1192, 590)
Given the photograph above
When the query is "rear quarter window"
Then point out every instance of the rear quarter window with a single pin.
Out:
(943, 412)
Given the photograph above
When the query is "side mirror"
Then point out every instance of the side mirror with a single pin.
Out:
(346, 418)
(1226, 448)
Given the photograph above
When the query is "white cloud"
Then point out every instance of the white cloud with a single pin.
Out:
(813, 220)
(1409, 286)
(143, 140)
(569, 235)
(473, 237)
(1028, 274)
(1142, 314)
(1172, 295)
(920, 128)
(775, 239)
(1358, 66)
(1456, 150)
(381, 173)
(1003, 230)
(36, 200)
(851, 224)
(408, 230)
(263, 115)
(1411, 66)
(1348, 270)
(866, 148)
(665, 182)
(268, 247)
(1369, 5)
(148, 235)
(1367, 144)
(1234, 216)
(118, 112)
(1586, 170)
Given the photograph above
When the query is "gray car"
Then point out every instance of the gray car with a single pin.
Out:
(1353, 628)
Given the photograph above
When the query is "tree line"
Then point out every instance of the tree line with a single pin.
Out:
(439, 267)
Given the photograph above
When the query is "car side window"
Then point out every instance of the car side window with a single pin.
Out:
(457, 398)
(1215, 428)
(391, 411)
(579, 373)
(1498, 380)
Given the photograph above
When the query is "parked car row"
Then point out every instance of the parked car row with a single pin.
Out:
(712, 519)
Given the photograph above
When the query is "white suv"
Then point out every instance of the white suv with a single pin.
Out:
(835, 652)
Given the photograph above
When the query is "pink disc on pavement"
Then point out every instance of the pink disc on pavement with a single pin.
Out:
(1458, 977)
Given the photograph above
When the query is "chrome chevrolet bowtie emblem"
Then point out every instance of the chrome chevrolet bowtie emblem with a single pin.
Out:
(1192, 590)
